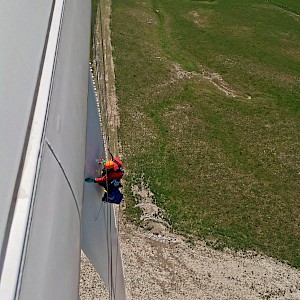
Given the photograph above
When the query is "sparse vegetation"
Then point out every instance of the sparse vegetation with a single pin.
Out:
(94, 4)
(224, 168)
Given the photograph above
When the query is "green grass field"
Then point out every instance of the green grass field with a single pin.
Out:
(224, 167)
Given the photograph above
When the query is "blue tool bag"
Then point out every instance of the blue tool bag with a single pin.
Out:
(114, 196)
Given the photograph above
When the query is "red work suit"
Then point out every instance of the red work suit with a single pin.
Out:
(109, 175)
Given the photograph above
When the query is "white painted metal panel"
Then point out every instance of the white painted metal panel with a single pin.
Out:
(99, 232)
(18, 234)
(66, 135)
(23, 31)
(51, 269)
(66, 129)
(43, 255)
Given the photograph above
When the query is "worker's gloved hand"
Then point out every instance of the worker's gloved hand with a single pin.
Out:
(89, 179)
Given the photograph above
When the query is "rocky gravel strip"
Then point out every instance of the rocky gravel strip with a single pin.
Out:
(166, 267)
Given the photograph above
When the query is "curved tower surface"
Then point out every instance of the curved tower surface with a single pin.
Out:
(44, 91)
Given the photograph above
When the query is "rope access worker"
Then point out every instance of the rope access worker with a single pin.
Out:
(112, 174)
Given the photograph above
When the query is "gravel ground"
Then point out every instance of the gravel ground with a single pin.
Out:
(166, 267)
